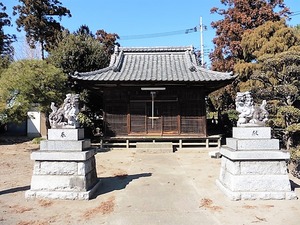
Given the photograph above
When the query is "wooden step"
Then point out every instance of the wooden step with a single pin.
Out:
(154, 147)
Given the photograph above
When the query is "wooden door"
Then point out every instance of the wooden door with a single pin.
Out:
(170, 118)
(154, 118)
(163, 120)
(137, 118)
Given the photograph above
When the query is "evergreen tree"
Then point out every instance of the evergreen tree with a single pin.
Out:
(266, 40)
(6, 49)
(37, 18)
(240, 15)
(28, 82)
(83, 51)
(273, 74)
(84, 30)
(79, 52)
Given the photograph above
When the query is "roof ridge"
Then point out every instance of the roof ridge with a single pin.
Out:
(83, 74)
(208, 70)
(189, 61)
(118, 61)
(156, 49)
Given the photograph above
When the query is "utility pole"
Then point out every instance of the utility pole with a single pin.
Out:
(201, 42)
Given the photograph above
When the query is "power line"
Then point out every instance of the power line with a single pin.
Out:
(297, 13)
(162, 34)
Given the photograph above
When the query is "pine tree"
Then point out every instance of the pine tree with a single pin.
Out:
(273, 74)
(28, 82)
(79, 52)
(6, 40)
(38, 19)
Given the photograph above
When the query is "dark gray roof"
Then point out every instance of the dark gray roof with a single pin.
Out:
(168, 64)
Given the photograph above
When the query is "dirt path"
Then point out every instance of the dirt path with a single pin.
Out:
(115, 168)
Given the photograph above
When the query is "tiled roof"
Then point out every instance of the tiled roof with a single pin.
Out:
(168, 64)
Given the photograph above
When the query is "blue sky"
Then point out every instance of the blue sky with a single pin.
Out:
(138, 17)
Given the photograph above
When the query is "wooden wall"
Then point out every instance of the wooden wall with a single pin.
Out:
(178, 111)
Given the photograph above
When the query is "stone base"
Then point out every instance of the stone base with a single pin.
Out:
(254, 167)
(73, 145)
(235, 155)
(64, 195)
(64, 134)
(251, 133)
(250, 175)
(256, 195)
(252, 144)
(63, 175)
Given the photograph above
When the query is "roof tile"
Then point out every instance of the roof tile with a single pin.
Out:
(170, 64)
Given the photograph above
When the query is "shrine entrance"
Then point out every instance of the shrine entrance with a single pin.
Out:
(154, 117)
(132, 112)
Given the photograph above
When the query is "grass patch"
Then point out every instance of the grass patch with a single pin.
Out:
(37, 140)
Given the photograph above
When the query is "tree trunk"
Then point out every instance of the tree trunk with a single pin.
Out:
(42, 50)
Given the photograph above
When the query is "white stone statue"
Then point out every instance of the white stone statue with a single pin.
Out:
(250, 115)
(66, 115)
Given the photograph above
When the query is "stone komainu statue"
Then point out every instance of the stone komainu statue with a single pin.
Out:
(66, 115)
(250, 115)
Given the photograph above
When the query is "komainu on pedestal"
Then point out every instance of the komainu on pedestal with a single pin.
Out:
(65, 166)
(253, 165)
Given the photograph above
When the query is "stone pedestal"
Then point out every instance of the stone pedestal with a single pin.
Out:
(253, 166)
(64, 167)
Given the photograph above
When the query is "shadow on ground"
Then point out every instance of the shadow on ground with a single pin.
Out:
(294, 185)
(9, 140)
(15, 189)
(109, 184)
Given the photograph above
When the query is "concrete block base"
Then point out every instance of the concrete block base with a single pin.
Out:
(253, 167)
(54, 145)
(66, 195)
(255, 179)
(252, 144)
(255, 195)
(64, 167)
(57, 176)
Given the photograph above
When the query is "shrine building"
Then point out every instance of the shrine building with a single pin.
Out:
(153, 93)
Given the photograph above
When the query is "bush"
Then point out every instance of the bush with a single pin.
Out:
(294, 164)
(295, 153)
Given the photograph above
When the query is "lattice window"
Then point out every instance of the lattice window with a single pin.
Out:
(191, 118)
(137, 117)
(116, 119)
(170, 117)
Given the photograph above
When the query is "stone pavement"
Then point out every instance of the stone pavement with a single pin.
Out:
(160, 193)
(180, 188)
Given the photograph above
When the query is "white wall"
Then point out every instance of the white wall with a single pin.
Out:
(33, 124)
